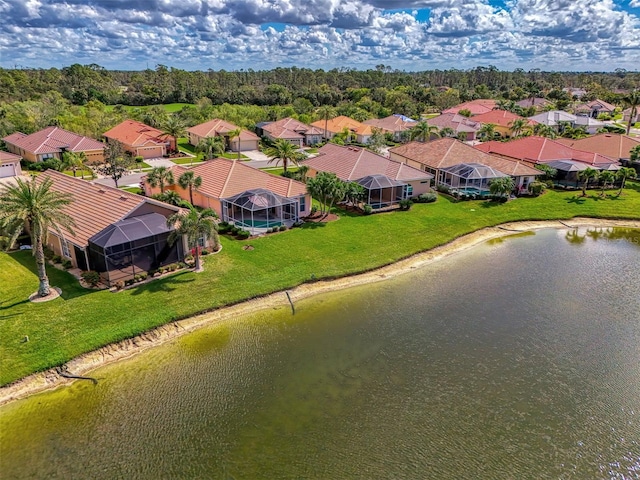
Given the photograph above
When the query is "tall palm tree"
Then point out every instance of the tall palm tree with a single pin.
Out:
(34, 206)
(518, 126)
(447, 132)
(159, 177)
(633, 100)
(211, 147)
(285, 151)
(542, 130)
(501, 186)
(585, 176)
(326, 112)
(233, 134)
(174, 127)
(194, 225)
(605, 176)
(623, 174)
(487, 131)
(189, 181)
(423, 131)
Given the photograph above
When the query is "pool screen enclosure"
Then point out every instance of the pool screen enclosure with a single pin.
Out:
(260, 209)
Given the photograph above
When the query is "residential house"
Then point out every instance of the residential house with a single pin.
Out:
(52, 142)
(535, 150)
(292, 130)
(558, 118)
(594, 108)
(502, 119)
(612, 145)
(538, 103)
(461, 125)
(116, 233)
(141, 140)
(397, 125)
(575, 92)
(220, 128)
(476, 107)
(242, 195)
(10, 165)
(360, 132)
(627, 113)
(385, 181)
(433, 157)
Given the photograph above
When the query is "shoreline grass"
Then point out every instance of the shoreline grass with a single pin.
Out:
(83, 320)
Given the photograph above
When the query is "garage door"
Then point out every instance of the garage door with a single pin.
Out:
(7, 170)
(150, 152)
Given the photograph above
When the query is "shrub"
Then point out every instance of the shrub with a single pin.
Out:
(143, 277)
(314, 209)
(66, 264)
(204, 252)
(536, 188)
(181, 265)
(298, 224)
(48, 253)
(282, 228)
(172, 268)
(405, 204)
(223, 227)
(367, 209)
(269, 230)
(243, 234)
(129, 281)
(119, 285)
(234, 230)
(56, 259)
(443, 188)
(548, 183)
(188, 258)
(91, 278)
(425, 198)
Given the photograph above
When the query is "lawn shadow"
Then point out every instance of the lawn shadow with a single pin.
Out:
(5, 306)
(490, 204)
(313, 225)
(66, 282)
(579, 200)
(167, 284)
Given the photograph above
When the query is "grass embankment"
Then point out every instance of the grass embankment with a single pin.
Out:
(84, 320)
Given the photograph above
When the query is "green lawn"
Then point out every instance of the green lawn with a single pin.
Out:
(169, 107)
(87, 173)
(187, 160)
(84, 320)
(136, 190)
(234, 156)
(185, 146)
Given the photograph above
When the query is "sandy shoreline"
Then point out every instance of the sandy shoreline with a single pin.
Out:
(85, 363)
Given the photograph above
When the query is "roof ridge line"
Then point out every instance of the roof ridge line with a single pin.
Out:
(226, 180)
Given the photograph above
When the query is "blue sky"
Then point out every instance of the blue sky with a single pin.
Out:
(263, 34)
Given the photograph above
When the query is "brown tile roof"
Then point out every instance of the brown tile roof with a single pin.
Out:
(218, 127)
(131, 132)
(94, 206)
(6, 157)
(447, 152)
(53, 140)
(290, 128)
(537, 102)
(476, 107)
(353, 163)
(611, 145)
(541, 150)
(338, 124)
(392, 123)
(223, 178)
(601, 105)
(500, 117)
(457, 122)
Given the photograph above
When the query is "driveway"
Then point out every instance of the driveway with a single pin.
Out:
(159, 162)
(131, 180)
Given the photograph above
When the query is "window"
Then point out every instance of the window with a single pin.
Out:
(202, 241)
(65, 248)
(409, 190)
(303, 203)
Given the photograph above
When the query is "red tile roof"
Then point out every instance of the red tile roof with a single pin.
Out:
(136, 134)
(542, 150)
(353, 163)
(53, 140)
(338, 124)
(447, 152)
(476, 107)
(218, 127)
(6, 157)
(223, 178)
(94, 206)
(612, 145)
(392, 123)
(500, 117)
(290, 128)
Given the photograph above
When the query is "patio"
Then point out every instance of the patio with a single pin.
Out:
(469, 178)
(260, 209)
(382, 191)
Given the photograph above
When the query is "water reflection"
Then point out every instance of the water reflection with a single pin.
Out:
(578, 236)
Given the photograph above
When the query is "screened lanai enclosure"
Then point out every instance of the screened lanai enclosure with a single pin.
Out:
(382, 191)
(470, 178)
(133, 246)
(260, 209)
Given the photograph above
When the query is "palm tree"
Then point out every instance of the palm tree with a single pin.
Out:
(194, 225)
(623, 174)
(211, 147)
(74, 161)
(585, 176)
(34, 206)
(170, 196)
(174, 128)
(285, 151)
(160, 176)
(542, 130)
(423, 131)
(633, 100)
(233, 134)
(326, 112)
(189, 181)
(605, 177)
(518, 126)
(487, 131)
(501, 186)
(447, 132)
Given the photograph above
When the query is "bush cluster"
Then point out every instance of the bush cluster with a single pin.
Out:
(425, 198)
(91, 278)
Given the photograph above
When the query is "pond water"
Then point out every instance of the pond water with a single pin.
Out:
(517, 359)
